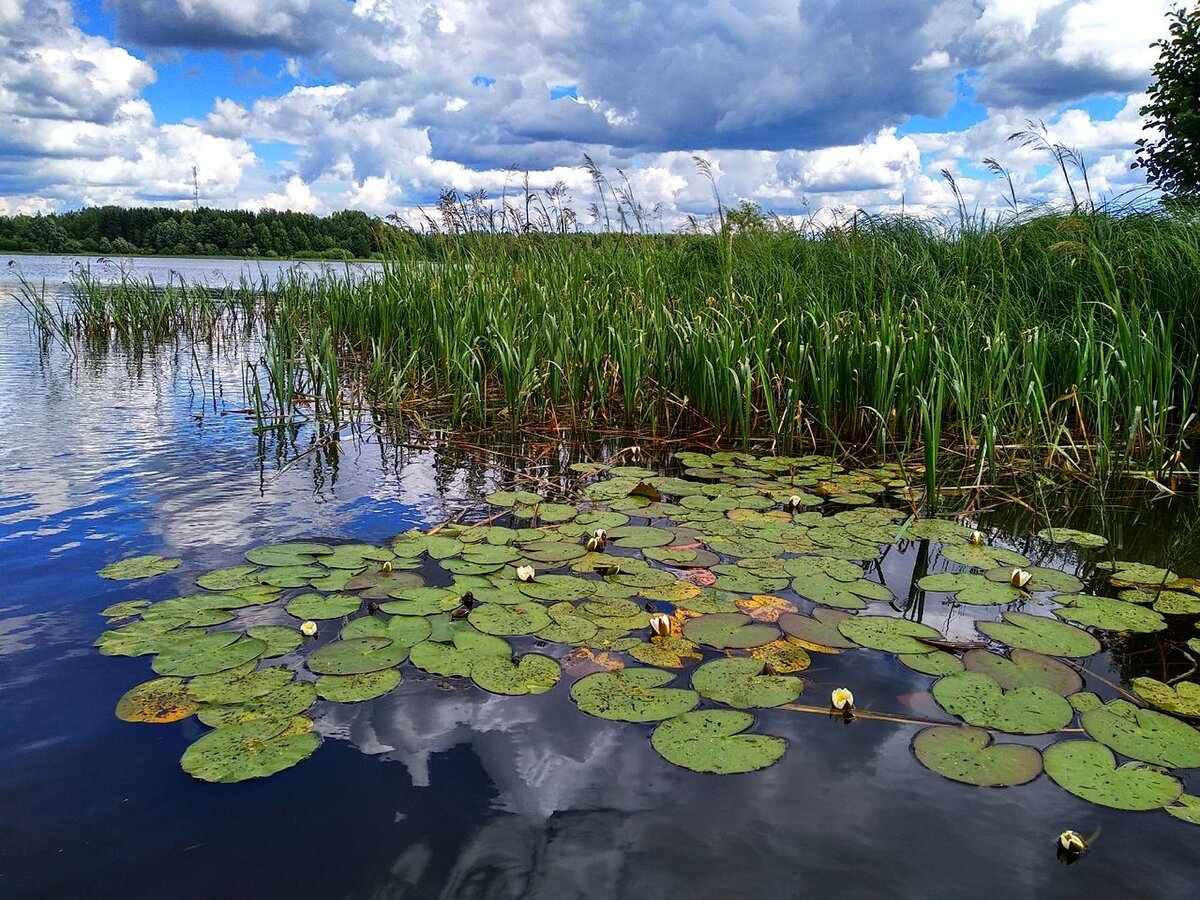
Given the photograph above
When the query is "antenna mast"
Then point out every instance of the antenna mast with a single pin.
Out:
(195, 188)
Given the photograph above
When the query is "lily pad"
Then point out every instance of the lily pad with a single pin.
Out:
(355, 557)
(982, 556)
(280, 704)
(1144, 734)
(632, 695)
(967, 754)
(820, 629)
(639, 536)
(1109, 615)
(1090, 771)
(138, 567)
(886, 633)
(937, 663)
(711, 740)
(356, 656)
(280, 639)
(1073, 536)
(408, 631)
(239, 685)
(728, 630)
(566, 627)
(519, 618)
(229, 578)
(841, 594)
(204, 654)
(1128, 574)
(784, 656)
(124, 609)
(977, 699)
(457, 659)
(1183, 699)
(809, 566)
(1041, 635)
(319, 606)
(241, 752)
(1043, 579)
(357, 688)
(514, 498)
(293, 553)
(971, 589)
(739, 682)
(292, 576)
(557, 588)
(1021, 668)
(939, 530)
(532, 673)
(666, 652)
(1187, 809)
(142, 638)
(158, 700)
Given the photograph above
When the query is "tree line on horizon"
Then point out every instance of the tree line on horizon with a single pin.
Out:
(349, 234)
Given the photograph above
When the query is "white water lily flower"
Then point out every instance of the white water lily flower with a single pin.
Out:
(524, 573)
(1072, 842)
(662, 625)
(309, 629)
(601, 535)
(1020, 578)
(795, 502)
(841, 698)
(977, 538)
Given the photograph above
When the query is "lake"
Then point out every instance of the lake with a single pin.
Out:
(441, 789)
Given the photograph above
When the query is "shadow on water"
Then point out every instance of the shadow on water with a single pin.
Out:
(439, 789)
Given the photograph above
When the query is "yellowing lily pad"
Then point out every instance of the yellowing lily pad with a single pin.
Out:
(1183, 699)
(785, 656)
(158, 700)
(967, 754)
(711, 740)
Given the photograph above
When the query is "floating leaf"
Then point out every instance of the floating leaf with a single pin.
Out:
(280, 639)
(1187, 810)
(739, 682)
(356, 656)
(1042, 579)
(158, 700)
(142, 638)
(977, 699)
(810, 566)
(938, 530)
(355, 556)
(1182, 700)
(886, 633)
(841, 594)
(728, 630)
(666, 652)
(280, 704)
(1109, 615)
(820, 629)
(514, 498)
(1089, 771)
(229, 578)
(638, 536)
(239, 685)
(763, 608)
(710, 601)
(632, 695)
(982, 556)
(566, 627)
(408, 631)
(531, 673)
(357, 688)
(785, 656)
(547, 512)
(457, 660)
(519, 618)
(966, 754)
(937, 663)
(241, 752)
(1176, 603)
(972, 589)
(319, 606)
(292, 576)
(204, 654)
(1073, 536)
(293, 553)
(138, 567)
(711, 740)
(558, 588)
(1144, 734)
(1125, 574)
(124, 609)
(1021, 668)
(1041, 635)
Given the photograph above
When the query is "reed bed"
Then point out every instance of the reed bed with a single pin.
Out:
(1070, 338)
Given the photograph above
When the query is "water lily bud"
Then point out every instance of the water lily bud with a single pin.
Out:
(662, 625)
(524, 573)
(386, 568)
(977, 538)
(795, 502)
(601, 535)
(309, 629)
(593, 546)
(1072, 842)
(841, 698)
(1020, 578)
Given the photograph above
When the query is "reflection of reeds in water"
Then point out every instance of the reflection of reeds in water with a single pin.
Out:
(1068, 338)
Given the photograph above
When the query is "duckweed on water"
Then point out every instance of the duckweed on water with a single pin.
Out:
(753, 584)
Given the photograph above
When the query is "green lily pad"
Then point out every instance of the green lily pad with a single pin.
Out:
(736, 579)
(831, 567)
(251, 595)
(356, 656)
(1043, 579)
(241, 752)
(672, 652)
(1109, 615)
(639, 536)
(940, 530)
(1021, 668)
(977, 699)
(357, 688)
(548, 513)
(971, 589)
(292, 576)
(143, 638)
(841, 594)
(710, 601)
(1144, 734)
(229, 578)
(280, 639)
(967, 754)
(319, 606)
(280, 704)
(1073, 536)
(557, 588)
(728, 630)
(204, 654)
(937, 663)
(982, 556)
(293, 553)
(632, 695)
(1090, 771)
(514, 498)
(566, 627)
(1187, 809)
(711, 740)
(532, 673)
(124, 609)
(159, 700)
(820, 629)
(459, 658)
(1125, 573)
(355, 556)
(239, 685)
(886, 633)
(1183, 699)
(739, 682)
(1176, 603)
(552, 553)
(1041, 635)
(408, 631)
(519, 618)
(138, 567)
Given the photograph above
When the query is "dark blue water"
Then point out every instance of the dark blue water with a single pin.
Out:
(427, 792)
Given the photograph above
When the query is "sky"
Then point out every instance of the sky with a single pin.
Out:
(806, 107)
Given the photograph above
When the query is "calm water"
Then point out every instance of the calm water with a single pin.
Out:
(430, 792)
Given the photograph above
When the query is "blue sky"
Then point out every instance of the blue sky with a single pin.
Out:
(803, 106)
